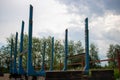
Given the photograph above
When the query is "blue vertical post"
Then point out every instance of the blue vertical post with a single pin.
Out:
(86, 69)
(43, 60)
(52, 55)
(15, 54)
(21, 71)
(11, 51)
(29, 59)
(66, 49)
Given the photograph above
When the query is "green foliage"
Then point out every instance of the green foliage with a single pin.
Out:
(112, 54)
(37, 50)
(94, 56)
(75, 49)
(71, 48)
(4, 58)
(116, 73)
(78, 47)
(59, 53)
(4, 54)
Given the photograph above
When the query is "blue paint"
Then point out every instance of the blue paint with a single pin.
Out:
(30, 70)
(66, 49)
(15, 55)
(86, 69)
(52, 55)
(11, 62)
(20, 69)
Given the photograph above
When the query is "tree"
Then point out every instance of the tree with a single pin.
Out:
(79, 48)
(94, 56)
(59, 53)
(48, 50)
(4, 58)
(36, 51)
(75, 49)
(71, 48)
(112, 54)
(5, 53)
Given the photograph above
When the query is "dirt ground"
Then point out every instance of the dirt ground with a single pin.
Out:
(6, 77)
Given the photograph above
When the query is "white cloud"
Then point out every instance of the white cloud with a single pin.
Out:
(104, 31)
(50, 16)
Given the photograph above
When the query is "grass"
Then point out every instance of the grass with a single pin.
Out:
(116, 74)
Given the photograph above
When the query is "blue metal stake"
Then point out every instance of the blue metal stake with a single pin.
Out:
(30, 70)
(66, 49)
(43, 60)
(86, 69)
(11, 67)
(15, 54)
(52, 56)
(21, 70)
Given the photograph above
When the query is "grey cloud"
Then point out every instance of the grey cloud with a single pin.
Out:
(94, 36)
(76, 34)
(45, 34)
(90, 8)
(48, 33)
(112, 5)
(1, 44)
(12, 10)
(113, 35)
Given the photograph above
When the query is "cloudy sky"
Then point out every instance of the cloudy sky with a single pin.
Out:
(52, 17)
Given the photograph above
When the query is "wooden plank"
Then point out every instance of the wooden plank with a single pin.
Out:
(64, 74)
(79, 63)
(103, 74)
(102, 60)
(24, 52)
(76, 56)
